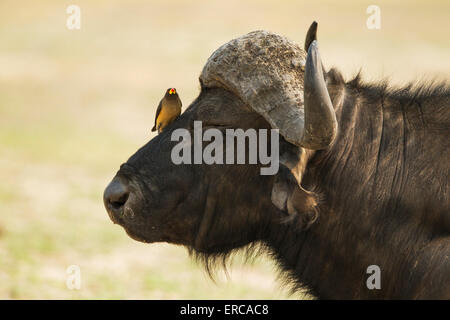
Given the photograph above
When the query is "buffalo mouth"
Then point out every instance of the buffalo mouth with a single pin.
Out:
(120, 201)
(124, 216)
(136, 234)
(123, 204)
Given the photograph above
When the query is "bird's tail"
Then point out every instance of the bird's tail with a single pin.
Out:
(154, 128)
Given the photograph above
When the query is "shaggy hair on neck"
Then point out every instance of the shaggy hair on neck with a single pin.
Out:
(409, 95)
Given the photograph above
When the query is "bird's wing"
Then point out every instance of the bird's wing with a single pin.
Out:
(179, 105)
(158, 110)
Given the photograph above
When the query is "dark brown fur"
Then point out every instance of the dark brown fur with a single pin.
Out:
(379, 195)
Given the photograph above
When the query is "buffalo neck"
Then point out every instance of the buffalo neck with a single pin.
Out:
(332, 257)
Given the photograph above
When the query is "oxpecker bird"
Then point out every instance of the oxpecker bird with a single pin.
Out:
(168, 110)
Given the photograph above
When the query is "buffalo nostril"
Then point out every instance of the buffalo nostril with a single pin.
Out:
(116, 204)
(116, 194)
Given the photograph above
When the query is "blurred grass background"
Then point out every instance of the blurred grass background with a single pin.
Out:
(76, 104)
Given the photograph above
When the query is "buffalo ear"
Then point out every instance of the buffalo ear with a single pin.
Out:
(290, 197)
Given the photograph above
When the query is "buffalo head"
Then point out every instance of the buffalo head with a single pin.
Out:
(258, 81)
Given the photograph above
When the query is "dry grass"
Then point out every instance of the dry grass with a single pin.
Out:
(75, 104)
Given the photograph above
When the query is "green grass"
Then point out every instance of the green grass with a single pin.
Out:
(74, 105)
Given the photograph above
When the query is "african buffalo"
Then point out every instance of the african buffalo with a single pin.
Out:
(363, 177)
